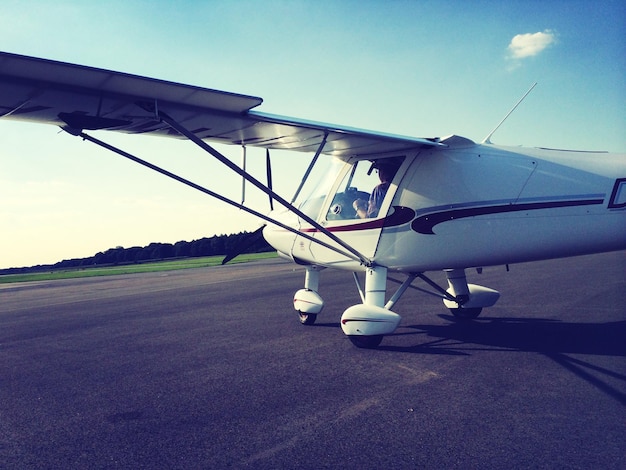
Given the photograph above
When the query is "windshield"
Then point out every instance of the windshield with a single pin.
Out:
(318, 185)
(360, 194)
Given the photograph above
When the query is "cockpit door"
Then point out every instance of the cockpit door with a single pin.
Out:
(351, 201)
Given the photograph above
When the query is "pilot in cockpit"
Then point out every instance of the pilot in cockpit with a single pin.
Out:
(369, 209)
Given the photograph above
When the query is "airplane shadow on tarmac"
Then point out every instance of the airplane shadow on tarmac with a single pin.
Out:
(552, 338)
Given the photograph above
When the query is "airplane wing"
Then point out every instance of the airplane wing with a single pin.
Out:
(87, 98)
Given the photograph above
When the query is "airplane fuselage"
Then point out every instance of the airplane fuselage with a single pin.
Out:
(473, 205)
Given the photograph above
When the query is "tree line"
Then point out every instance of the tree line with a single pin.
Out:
(212, 246)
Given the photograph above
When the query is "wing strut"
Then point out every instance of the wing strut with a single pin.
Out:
(244, 160)
(189, 183)
(206, 147)
(311, 165)
(268, 172)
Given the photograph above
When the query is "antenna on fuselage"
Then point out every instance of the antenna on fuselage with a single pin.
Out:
(487, 140)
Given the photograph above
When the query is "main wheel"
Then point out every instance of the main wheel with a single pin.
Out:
(466, 313)
(366, 342)
(307, 318)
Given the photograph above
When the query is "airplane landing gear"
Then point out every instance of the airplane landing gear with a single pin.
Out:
(307, 301)
(468, 299)
(366, 324)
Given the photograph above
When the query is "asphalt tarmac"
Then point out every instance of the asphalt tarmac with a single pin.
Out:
(210, 368)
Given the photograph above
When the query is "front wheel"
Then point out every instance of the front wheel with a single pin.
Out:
(366, 341)
(307, 318)
(466, 313)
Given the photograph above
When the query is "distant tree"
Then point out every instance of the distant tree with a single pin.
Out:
(218, 244)
(182, 249)
(215, 245)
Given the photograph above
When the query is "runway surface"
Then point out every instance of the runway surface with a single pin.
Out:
(210, 368)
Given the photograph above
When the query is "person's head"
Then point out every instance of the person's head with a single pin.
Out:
(386, 172)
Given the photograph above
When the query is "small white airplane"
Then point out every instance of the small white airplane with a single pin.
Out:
(441, 203)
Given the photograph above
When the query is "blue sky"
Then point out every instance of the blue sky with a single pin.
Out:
(428, 68)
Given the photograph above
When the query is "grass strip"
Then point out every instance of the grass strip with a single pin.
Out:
(147, 267)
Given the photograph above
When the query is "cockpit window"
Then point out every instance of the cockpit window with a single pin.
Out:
(362, 191)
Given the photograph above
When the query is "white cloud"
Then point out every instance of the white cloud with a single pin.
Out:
(530, 44)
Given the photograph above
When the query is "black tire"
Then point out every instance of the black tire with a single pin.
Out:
(307, 318)
(366, 342)
(466, 313)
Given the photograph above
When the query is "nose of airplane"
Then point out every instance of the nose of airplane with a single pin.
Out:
(279, 237)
